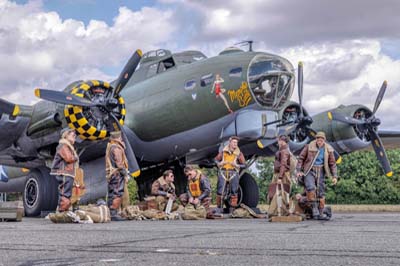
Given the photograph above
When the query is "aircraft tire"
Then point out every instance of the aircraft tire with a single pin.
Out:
(250, 190)
(40, 192)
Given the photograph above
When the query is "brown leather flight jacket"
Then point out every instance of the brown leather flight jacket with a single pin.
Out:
(161, 188)
(66, 160)
(116, 160)
(282, 161)
(308, 155)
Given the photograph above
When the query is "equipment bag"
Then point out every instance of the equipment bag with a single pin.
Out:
(99, 214)
(194, 213)
(279, 205)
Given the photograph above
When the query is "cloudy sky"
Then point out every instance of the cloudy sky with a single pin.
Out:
(348, 47)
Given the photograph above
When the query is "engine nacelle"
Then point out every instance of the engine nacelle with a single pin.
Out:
(94, 123)
(344, 138)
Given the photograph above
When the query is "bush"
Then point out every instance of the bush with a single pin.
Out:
(361, 179)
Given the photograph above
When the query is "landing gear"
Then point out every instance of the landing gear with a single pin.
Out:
(250, 191)
(40, 192)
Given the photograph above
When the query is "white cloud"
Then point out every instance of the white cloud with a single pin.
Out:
(39, 49)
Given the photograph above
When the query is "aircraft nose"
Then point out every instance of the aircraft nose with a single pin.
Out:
(271, 80)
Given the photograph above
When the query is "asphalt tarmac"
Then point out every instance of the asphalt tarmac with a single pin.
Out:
(348, 239)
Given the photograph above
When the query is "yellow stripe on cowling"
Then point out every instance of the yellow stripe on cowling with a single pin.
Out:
(79, 94)
(84, 86)
(103, 134)
(389, 174)
(77, 109)
(74, 90)
(80, 131)
(82, 122)
(95, 82)
(121, 100)
(106, 84)
(72, 118)
(37, 92)
(91, 130)
(259, 144)
(16, 110)
(136, 174)
(139, 52)
(330, 116)
(339, 160)
(123, 112)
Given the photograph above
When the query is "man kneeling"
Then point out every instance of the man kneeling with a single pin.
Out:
(198, 189)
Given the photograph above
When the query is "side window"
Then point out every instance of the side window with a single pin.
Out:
(152, 70)
(206, 80)
(235, 72)
(190, 84)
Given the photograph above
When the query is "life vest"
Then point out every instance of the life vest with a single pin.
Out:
(194, 186)
(230, 158)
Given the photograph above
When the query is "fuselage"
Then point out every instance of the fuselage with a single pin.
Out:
(179, 109)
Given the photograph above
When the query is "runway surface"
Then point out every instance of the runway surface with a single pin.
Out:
(348, 239)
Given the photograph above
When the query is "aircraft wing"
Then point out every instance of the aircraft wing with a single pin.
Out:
(390, 138)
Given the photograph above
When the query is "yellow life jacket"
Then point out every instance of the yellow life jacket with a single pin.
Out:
(194, 186)
(230, 158)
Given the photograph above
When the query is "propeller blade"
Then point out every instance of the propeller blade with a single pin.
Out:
(133, 165)
(380, 152)
(8, 108)
(300, 86)
(127, 72)
(62, 97)
(344, 119)
(379, 97)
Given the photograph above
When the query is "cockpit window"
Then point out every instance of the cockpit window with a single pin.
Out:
(235, 72)
(271, 80)
(165, 64)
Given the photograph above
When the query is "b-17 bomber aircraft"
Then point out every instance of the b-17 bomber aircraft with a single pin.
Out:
(171, 113)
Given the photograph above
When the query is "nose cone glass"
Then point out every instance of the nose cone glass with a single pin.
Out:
(271, 80)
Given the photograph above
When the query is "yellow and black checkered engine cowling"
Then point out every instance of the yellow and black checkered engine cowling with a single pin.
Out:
(77, 117)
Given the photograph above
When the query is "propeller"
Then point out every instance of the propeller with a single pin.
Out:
(369, 126)
(107, 105)
(62, 97)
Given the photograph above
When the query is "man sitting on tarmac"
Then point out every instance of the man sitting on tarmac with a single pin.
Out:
(228, 161)
(198, 189)
(164, 189)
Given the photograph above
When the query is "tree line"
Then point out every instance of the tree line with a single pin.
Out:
(361, 180)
